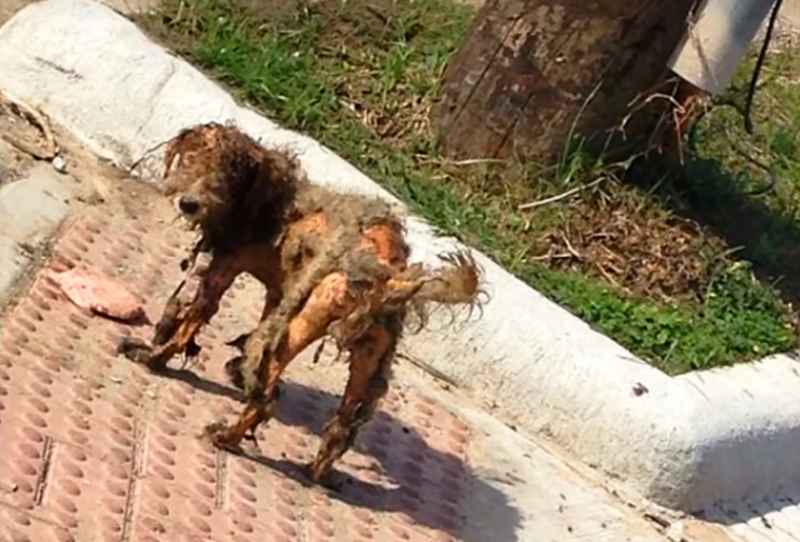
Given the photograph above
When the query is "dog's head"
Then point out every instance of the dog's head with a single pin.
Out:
(215, 172)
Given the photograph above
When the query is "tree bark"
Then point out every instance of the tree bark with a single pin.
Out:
(528, 67)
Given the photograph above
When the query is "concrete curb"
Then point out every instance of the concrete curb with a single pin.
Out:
(686, 443)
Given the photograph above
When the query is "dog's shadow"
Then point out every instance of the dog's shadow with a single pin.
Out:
(432, 487)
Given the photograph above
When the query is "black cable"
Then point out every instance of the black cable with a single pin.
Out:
(745, 112)
(748, 123)
(772, 177)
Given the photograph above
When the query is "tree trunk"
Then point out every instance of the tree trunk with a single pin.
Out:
(528, 67)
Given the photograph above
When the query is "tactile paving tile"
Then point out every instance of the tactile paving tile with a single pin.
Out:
(93, 447)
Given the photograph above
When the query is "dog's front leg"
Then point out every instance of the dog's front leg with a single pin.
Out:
(194, 266)
(233, 367)
(183, 316)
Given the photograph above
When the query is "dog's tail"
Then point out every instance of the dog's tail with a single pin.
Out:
(459, 282)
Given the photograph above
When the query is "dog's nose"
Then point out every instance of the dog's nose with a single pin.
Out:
(189, 205)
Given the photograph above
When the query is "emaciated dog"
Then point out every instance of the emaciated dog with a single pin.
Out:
(334, 265)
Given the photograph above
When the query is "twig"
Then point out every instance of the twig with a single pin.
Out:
(37, 118)
(667, 97)
(646, 101)
(574, 124)
(570, 248)
(25, 147)
(559, 197)
(611, 252)
(473, 161)
(550, 256)
(678, 140)
(469, 162)
(428, 369)
(651, 90)
(608, 277)
(652, 140)
(726, 253)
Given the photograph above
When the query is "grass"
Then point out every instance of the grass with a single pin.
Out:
(361, 77)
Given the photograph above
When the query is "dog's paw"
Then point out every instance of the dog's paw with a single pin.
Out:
(219, 435)
(330, 479)
(135, 349)
(139, 351)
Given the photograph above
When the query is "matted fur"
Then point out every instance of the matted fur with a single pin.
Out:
(334, 265)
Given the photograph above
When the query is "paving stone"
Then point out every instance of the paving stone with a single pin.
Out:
(30, 210)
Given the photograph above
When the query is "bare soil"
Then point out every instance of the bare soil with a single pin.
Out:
(14, 161)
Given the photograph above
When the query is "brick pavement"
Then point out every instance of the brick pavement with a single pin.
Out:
(95, 448)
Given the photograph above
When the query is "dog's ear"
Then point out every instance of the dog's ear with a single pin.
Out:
(176, 147)
(172, 156)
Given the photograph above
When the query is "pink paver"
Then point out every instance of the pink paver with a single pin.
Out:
(93, 447)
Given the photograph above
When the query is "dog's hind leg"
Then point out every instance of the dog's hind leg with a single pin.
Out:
(329, 300)
(370, 362)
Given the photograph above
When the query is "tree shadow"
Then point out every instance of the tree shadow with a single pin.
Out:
(426, 484)
(712, 196)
